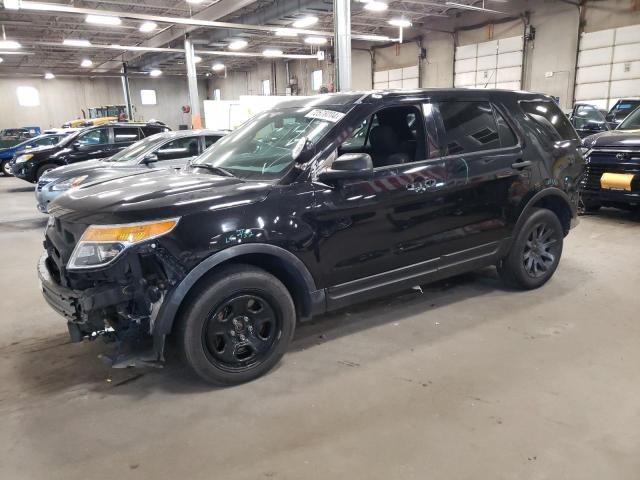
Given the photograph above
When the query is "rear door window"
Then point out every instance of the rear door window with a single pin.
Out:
(507, 137)
(126, 134)
(179, 148)
(469, 127)
(210, 140)
(550, 119)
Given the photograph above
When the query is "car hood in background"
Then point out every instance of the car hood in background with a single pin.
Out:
(614, 139)
(155, 195)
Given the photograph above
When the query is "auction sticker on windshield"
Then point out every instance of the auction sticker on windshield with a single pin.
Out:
(326, 115)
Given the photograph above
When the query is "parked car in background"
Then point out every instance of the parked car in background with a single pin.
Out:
(13, 136)
(163, 150)
(7, 154)
(588, 119)
(87, 144)
(287, 217)
(621, 110)
(612, 176)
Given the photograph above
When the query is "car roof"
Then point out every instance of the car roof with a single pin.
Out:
(380, 96)
(188, 133)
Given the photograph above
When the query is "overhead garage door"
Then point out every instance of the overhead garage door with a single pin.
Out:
(398, 78)
(608, 66)
(493, 64)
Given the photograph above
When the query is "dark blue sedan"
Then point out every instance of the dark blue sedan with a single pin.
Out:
(6, 154)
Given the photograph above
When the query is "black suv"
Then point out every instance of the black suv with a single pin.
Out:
(612, 175)
(299, 212)
(87, 144)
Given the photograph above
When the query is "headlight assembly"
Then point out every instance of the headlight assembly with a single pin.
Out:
(101, 244)
(68, 184)
(24, 158)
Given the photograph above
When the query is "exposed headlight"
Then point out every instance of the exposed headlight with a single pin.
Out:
(24, 158)
(101, 244)
(68, 184)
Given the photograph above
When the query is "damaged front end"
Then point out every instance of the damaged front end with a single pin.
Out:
(110, 281)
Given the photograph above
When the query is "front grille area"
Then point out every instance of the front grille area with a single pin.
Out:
(60, 240)
(600, 162)
(41, 185)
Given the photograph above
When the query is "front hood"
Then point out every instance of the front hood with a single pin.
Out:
(155, 195)
(73, 170)
(628, 139)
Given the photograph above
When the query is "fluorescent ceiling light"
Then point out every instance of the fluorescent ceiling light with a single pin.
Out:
(217, 67)
(103, 20)
(315, 40)
(375, 38)
(238, 44)
(197, 59)
(376, 6)
(10, 44)
(155, 73)
(147, 27)
(86, 63)
(272, 52)
(12, 4)
(305, 22)
(49, 76)
(400, 22)
(471, 7)
(195, 2)
(285, 32)
(76, 42)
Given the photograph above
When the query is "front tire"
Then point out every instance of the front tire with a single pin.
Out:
(535, 253)
(47, 167)
(237, 326)
(5, 168)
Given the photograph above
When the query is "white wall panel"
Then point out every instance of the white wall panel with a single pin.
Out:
(466, 51)
(486, 63)
(509, 85)
(626, 53)
(381, 76)
(626, 35)
(395, 74)
(510, 74)
(395, 84)
(626, 71)
(597, 56)
(603, 38)
(381, 85)
(624, 88)
(590, 91)
(487, 48)
(512, 44)
(410, 72)
(597, 73)
(467, 65)
(511, 59)
(410, 83)
(464, 79)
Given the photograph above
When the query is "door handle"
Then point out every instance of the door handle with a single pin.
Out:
(518, 165)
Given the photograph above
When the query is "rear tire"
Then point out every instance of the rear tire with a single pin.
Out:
(535, 252)
(5, 168)
(47, 167)
(237, 326)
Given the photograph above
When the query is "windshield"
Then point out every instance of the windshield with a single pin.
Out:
(632, 122)
(135, 151)
(266, 145)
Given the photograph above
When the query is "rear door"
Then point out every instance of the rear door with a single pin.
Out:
(484, 164)
(123, 137)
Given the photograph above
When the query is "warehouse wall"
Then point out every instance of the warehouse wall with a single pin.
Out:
(63, 99)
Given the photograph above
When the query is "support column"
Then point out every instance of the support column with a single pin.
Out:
(342, 44)
(194, 100)
(127, 92)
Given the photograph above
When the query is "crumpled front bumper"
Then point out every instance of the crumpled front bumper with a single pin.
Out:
(81, 308)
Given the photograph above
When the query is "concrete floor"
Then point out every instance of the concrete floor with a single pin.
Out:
(464, 381)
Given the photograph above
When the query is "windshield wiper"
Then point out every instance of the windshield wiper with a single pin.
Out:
(213, 168)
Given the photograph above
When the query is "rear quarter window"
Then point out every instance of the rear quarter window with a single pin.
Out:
(550, 119)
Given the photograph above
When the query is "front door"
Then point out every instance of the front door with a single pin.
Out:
(386, 228)
(90, 145)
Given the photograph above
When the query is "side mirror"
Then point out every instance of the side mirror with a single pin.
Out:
(76, 145)
(349, 165)
(150, 158)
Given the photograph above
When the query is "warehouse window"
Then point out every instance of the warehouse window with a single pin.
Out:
(266, 87)
(148, 97)
(316, 80)
(28, 97)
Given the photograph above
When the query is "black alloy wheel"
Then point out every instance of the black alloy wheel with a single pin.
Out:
(241, 332)
(541, 250)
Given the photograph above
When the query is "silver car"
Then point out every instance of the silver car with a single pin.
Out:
(163, 150)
